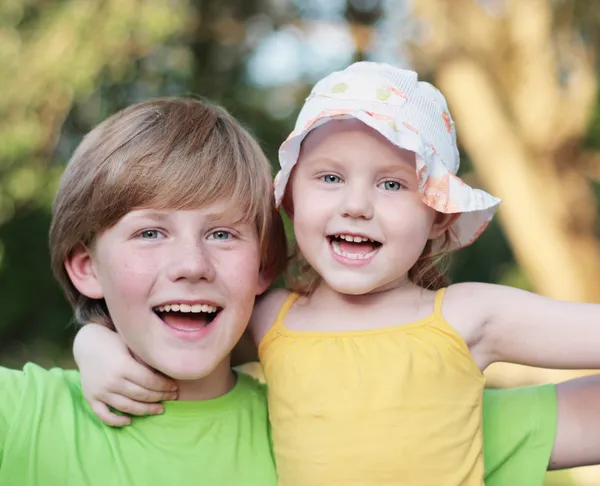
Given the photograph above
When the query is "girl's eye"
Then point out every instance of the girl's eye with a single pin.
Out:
(150, 234)
(390, 186)
(331, 179)
(220, 235)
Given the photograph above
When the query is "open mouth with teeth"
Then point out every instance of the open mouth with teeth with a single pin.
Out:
(185, 317)
(353, 247)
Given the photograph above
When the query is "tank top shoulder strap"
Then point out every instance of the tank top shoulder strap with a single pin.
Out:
(273, 331)
(437, 303)
(285, 307)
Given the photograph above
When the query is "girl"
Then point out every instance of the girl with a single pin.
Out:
(374, 365)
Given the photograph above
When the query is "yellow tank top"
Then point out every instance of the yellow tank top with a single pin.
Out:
(397, 405)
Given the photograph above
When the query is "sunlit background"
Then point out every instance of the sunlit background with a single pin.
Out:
(521, 78)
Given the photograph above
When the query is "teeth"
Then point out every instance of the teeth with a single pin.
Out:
(196, 308)
(354, 239)
(353, 256)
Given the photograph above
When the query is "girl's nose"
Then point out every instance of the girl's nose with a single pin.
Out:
(357, 203)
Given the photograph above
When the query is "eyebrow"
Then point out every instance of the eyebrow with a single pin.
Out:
(233, 215)
(323, 160)
(155, 214)
(388, 168)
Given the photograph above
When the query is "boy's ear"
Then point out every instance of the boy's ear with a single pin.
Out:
(441, 223)
(264, 281)
(81, 271)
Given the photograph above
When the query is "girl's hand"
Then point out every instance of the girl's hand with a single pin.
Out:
(110, 376)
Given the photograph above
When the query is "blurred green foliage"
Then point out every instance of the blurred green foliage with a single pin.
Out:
(68, 64)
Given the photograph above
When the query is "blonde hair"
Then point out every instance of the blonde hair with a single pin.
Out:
(166, 153)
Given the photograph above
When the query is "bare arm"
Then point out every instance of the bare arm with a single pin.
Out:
(577, 441)
(525, 328)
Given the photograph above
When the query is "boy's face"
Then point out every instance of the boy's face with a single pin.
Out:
(179, 285)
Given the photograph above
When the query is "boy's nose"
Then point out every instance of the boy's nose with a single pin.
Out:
(357, 203)
(191, 262)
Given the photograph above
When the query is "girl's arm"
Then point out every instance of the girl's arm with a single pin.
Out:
(111, 376)
(521, 327)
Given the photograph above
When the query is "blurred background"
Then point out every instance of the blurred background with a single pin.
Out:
(521, 78)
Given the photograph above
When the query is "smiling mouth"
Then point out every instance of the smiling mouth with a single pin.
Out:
(184, 317)
(353, 247)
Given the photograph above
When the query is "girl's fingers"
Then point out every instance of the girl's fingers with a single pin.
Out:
(146, 378)
(131, 407)
(101, 411)
(140, 394)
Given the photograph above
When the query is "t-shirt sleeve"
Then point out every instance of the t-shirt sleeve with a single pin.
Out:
(12, 386)
(519, 426)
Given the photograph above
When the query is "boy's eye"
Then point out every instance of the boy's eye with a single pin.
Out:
(390, 186)
(220, 235)
(331, 179)
(150, 234)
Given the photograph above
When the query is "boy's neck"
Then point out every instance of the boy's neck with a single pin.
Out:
(216, 384)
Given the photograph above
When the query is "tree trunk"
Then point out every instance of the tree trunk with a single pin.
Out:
(521, 86)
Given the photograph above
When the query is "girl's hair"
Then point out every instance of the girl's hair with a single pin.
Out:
(429, 272)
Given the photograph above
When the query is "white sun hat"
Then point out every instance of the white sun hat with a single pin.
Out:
(412, 115)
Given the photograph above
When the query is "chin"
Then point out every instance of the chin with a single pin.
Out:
(186, 371)
(351, 288)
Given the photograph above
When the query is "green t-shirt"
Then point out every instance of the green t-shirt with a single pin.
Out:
(519, 426)
(50, 437)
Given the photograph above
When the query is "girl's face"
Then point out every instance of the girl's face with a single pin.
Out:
(358, 215)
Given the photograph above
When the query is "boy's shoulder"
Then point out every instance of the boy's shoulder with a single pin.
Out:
(265, 312)
(34, 377)
(251, 382)
(34, 383)
(35, 392)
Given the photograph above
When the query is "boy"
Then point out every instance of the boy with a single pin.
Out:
(160, 218)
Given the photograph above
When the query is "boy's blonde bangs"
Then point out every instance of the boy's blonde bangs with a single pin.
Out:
(163, 154)
(189, 173)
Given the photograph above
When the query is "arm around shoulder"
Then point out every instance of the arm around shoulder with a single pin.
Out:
(519, 427)
(578, 429)
(12, 386)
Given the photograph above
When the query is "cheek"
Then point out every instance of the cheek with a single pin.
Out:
(125, 275)
(413, 220)
(307, 199)
(311, 213)
(240, 270)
